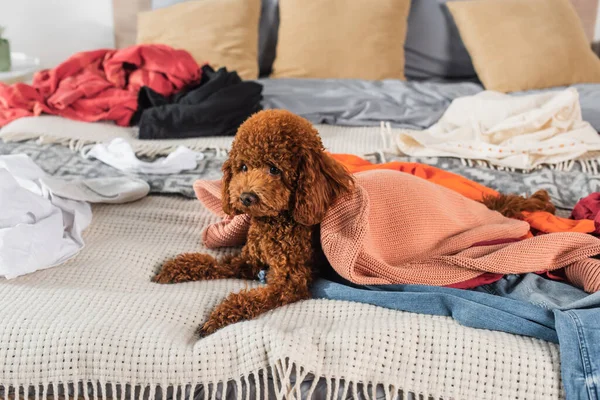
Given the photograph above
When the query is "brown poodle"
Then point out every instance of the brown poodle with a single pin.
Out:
(279, 174)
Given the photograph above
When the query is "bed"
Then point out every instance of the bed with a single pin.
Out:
(97, 327)
(132, 338)
(125, 332)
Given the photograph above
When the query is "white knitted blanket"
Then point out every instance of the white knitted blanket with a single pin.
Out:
(99, 320)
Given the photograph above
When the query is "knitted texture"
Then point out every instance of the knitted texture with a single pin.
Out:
(397, 228)
(210, 191)
(541, 221)
(99, 319)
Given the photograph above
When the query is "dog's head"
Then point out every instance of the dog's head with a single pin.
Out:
(277, 164)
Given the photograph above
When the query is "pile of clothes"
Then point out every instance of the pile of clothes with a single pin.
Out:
(161, 89)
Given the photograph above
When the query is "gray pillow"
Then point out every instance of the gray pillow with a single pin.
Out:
(433, 46)
(267, 36)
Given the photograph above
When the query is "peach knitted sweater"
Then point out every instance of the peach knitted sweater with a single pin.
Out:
(398, 228)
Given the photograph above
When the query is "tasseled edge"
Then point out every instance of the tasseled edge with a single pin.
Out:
(149, 149)
(588, 166)
(282, 380)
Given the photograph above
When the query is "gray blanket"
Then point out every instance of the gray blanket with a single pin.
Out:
(411, 105)
(565, 188)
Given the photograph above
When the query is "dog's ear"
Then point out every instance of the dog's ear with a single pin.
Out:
(321, 179)
(225, 198)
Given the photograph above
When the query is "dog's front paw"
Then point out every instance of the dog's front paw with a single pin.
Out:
(167, 274)
(186, 267)
(230, 311)
(208, 328)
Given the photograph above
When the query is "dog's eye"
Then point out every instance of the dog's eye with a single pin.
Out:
(274, 171)
(244, 168)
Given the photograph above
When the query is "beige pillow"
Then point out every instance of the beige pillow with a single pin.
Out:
(220, 32)
(341, 39)
(525, 44)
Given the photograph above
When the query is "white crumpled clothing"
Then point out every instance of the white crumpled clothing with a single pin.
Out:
(519, 132)
(38, 230)
(120, 155)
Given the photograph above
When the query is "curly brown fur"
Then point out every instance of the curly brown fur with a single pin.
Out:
(277, 173)
(513, 206)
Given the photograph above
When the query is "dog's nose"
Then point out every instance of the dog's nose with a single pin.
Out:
(248, 198)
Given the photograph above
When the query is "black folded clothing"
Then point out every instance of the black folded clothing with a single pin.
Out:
(216, 106)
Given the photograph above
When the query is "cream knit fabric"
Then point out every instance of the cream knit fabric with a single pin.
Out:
(98, 318)
(521, 132)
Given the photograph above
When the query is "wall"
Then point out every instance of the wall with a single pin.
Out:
(55, 29)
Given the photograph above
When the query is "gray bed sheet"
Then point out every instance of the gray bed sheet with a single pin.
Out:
(405, 104)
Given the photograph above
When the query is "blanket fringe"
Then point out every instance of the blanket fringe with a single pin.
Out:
(150, 148)
(588, 166)
(286, 383)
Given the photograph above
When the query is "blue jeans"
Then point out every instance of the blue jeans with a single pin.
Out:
(520, 304)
